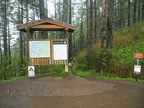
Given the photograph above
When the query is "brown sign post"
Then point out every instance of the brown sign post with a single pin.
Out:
(137, 67)
(138, 55)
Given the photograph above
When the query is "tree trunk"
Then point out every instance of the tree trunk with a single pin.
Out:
(129, 11)
(134, 12)
(65, 11)
(142, 10)
(55, 5)
(9, 48)
(81, 34)
(91, 23)
(43, 14)
(5, 37)
(88, 34)
(110, 21)
(70, 35)
(139, 6)
(95, 20)
(103, 35)
(20, 9)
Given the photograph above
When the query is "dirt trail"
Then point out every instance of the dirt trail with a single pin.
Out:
(71, 92)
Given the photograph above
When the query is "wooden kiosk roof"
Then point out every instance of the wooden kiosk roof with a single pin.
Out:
(46, 24)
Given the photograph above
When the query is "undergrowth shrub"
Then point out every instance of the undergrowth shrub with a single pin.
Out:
(81, 60)
(58, 69)
(119, 59)
(122, 61)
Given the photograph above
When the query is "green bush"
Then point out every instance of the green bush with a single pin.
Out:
(57, 69)
(118, 61)
(82, 63)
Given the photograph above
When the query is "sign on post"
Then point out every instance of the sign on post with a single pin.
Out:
(138, 55)
(31, 71)
(137, 69)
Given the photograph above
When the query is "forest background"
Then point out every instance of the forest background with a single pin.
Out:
(108, 33)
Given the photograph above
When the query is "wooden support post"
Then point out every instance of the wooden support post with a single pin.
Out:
(29, 33)
(66, 32)
(66, 35)
(66, 68)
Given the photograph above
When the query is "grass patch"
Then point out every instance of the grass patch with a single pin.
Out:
(82, 73)
(58, 78)
(114, 77)
(12, 79)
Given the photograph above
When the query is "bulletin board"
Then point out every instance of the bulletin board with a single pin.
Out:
(48, 51)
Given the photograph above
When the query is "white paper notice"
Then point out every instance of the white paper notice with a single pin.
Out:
(60, 52)
(137, 69)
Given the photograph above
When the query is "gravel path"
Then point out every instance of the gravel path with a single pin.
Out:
(53, 86)
(71, 92)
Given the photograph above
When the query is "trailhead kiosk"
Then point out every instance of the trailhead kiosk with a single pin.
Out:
(47, 51)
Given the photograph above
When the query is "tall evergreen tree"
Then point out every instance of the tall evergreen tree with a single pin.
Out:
(70, 35)
(43, 14)
(110, 22)
(4, 33)
(103, 35)
(134, 11)
(129, 11)
(139, 8)
(142, 10)
(65, 11)
(95, 20)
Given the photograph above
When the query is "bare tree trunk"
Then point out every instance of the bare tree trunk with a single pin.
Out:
(139, 6)
(43, 14)
(55, 5)
(142, 10)
(5, 38)
(20, 9)
(110, 21)
(89, 35)
(9, 49)
(95, 20)
(70, 35)
(103, 35)
(134, 12)
(81, 34)
(129, 11)
(65, 11)
(91, 23)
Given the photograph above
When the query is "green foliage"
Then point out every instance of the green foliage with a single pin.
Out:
(58, 78)
(118, 61)
(50, 69)
(81, 60)
(57, 69)
(10, 67)
(122, 61)
(82, 73)
(12, 79)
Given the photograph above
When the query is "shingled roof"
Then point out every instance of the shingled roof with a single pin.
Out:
(46, 24)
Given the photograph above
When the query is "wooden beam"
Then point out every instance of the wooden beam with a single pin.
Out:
(46, 27)
(47, 21)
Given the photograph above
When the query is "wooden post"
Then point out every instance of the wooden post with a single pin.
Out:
(66, 32)
(29, 33)
(66, 35)
(66, 68)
